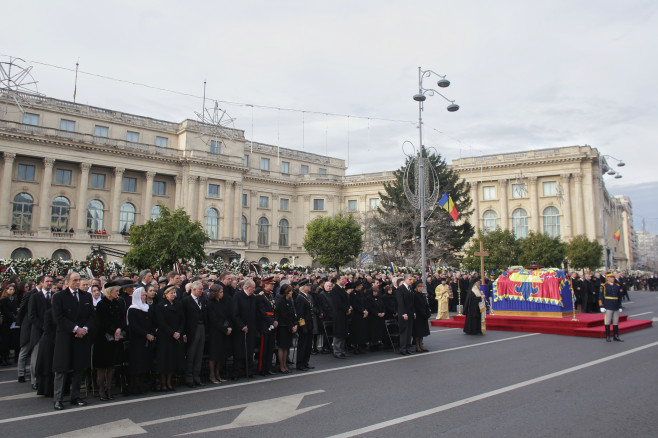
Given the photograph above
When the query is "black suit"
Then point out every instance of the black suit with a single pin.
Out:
(72, 353)
(25, 333)
(38, 307)
(195, 331)
(244, 315)
(405, 300)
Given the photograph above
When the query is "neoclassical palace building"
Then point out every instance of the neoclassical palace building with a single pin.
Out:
(77, 177)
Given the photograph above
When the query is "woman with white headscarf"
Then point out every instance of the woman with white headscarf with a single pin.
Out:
(142, 341)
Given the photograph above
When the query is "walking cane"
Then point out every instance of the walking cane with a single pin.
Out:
(246, 358)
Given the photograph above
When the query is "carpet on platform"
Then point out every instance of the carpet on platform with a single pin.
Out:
(588, 324)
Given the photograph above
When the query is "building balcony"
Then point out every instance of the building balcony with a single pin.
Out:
(100, 237)
(23, 233)
(61, 235)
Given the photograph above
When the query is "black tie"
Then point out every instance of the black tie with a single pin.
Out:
(48, 296)
(75, 294)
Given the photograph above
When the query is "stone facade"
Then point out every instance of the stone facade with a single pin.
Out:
(96, 172)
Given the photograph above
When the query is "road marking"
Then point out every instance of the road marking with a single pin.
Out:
(640, 314)
(253, 382)
(444, 330)
(486, 395)
(256, 413)
(19, 396)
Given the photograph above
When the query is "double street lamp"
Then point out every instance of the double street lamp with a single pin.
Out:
(452, 107)
(605, 169)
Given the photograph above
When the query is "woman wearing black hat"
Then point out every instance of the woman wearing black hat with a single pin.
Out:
(108, 349)
(421, 327)
(287, 318)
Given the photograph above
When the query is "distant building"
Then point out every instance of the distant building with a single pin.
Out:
(647, 251)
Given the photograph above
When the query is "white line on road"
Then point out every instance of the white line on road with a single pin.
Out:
(252, 382)
(462, 402)
(640, 314)
(443, 330)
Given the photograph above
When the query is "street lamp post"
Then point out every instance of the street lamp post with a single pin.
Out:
(604, 169)
(420, 98)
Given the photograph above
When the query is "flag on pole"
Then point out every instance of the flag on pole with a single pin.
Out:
(446, 203)
(617, 234)
(393, 268)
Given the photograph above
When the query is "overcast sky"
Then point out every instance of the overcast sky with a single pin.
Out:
(527, 74)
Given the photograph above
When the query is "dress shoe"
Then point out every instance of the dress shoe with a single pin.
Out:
(199, 383)
(309, 367)
(290, 362)
(270, 373)
(35, 386)
(301, 369)
(191, 385)
(21, 379)
(404, 352)
(59, 406)
(78, 402)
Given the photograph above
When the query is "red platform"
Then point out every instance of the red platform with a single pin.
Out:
(589, 325)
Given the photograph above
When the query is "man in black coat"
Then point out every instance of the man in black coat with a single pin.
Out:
(304, 309)
(406, 313)
(39, 305)
(23, 321)
(195, 307)
(340, 305)
(73, 311)
(245, 320)
(267, 322)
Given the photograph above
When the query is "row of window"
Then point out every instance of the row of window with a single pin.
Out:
(60, 219)
(549, 188)
(353, 205)
(551, 219)
(99, 130)
(285, 166)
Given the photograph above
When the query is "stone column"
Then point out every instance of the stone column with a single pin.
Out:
(116, 199)
(475, 196)
(229, 210)
(534, 204)
(201, 203)
(566, 184)
(81, 207)
(580, 205)
(5, 190)
(237, 210)
(191, 190)
(504, 214)
(44, 201)
(179, 192)
(148, 197)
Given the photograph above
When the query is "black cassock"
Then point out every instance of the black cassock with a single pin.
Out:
(473, 320)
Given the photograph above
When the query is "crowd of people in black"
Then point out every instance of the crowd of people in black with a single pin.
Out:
(157, 333)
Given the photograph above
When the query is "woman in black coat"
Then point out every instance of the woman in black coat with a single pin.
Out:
(359, 322)
(108, 349)
(421, 326)
(169, 351)
(390, 303)
(9, 336)
(141, 328)
(376, 319)
(219, 315)
(287, 325)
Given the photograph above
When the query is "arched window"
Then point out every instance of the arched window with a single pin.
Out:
(95, 215)
(520, 223)
(126, 217)
(263, 232)
(59, 215)
(263, 261)
(243, 229)
(284, 261)
(212, 220)
(552, 221)
(22, 212)
(61, 254)
(489, 221)
(284, 233)
(21, 253)
(155, 212)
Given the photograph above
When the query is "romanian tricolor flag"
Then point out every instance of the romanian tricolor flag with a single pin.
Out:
(617, 234)
(446, 203)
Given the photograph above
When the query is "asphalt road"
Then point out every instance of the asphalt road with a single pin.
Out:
(502, 384)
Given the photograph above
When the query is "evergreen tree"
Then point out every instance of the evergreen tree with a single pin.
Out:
(397, 223)
(504, 251)
(333, 241)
